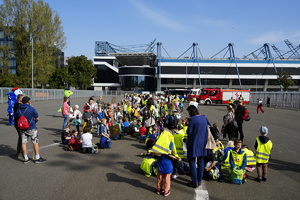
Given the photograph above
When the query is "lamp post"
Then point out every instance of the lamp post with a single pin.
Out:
(31, 61)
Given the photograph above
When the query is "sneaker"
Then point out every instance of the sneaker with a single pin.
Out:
(40, 160)
(258, 180)
(159, 192)
(26, 161)
(174, 176)
(167, 193)
(264, 179)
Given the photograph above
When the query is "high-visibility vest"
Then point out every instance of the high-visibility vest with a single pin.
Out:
(263, 151)
(178, 140)
(184, 128)
(250, 157)
(147, 165)
(129, 109)
(162, 145)
(226, 164)
(237, 157)
(144, 101)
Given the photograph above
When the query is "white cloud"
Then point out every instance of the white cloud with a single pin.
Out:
(276, 36)
(157, 16)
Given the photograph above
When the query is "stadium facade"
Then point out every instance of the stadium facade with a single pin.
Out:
(146, 71)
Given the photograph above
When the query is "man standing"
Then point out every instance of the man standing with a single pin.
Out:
(239, 113)
(32, 117)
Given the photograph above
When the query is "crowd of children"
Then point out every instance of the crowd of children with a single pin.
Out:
(157, 121)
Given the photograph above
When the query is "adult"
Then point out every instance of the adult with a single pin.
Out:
(16, 106)
(65, 112)
(268, 101)
(239, 113)
(194, 102)
(259, 106)
(196, 143)
(228, 126)
(32, 117)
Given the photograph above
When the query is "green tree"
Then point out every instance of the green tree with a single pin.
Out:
(81, 72)
(59, 79)
(285, 79)
(34, 23)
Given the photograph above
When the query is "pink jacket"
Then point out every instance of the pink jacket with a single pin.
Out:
(65, 109)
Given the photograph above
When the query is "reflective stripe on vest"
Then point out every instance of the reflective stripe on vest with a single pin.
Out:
(250, 157)
(263, 151)
(162, 144)
(226, 164)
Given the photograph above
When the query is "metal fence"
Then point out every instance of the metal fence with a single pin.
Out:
(52, 94)
(278, 99)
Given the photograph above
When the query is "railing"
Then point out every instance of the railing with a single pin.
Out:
(52, 94)
(278, 99)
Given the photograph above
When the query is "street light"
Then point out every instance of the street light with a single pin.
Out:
(31, 61)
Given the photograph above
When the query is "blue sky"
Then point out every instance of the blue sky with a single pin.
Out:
(177, 24)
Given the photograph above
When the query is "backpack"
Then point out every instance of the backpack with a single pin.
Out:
(23, 122)
(246, 115)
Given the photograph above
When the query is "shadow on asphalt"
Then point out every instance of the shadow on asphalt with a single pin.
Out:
(55, 116)
(7, 150)
(4, 121)
(112, 177)
(139, 146)
(131, 166)
(282, 165)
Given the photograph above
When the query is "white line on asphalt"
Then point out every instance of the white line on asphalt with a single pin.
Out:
(201, 192)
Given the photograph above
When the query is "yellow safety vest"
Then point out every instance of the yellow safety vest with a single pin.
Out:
(226, 164)
(146, 165)
(237, 158)
(184, 128)
(162, 145)
(129, 109)
(178, 140)
(263, 151)
(250, 157)
(144, 101)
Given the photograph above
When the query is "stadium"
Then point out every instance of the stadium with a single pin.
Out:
(138, 68)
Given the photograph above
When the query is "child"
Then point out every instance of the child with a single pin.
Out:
(238, 161)
(263, 147)
(104, 133)
(86, 139)
(76, 115)
(163, 148)
(215, 126)
(88, 118)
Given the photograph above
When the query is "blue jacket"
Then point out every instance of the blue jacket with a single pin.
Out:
(197, 136)
(30, 114)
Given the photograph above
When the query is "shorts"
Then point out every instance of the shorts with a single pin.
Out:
(32, 133)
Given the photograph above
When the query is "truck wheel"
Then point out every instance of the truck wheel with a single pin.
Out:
(207, 102)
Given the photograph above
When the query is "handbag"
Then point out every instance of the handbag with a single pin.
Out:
(234, 124)
(211, 143)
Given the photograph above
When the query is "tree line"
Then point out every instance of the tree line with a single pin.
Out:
(33, 29)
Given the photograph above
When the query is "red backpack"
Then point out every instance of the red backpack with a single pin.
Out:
(23, 122)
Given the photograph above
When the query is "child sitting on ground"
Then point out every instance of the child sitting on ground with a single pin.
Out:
(86, 139)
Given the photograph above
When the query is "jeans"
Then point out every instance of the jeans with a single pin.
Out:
(66, 119)
(197, 172)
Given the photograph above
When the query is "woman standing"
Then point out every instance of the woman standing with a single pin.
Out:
(197, 138)
(65, 112)
(228, 126)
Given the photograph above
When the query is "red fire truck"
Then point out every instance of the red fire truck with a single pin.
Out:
(220, 96)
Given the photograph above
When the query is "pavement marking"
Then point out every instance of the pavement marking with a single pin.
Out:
(201, 192)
